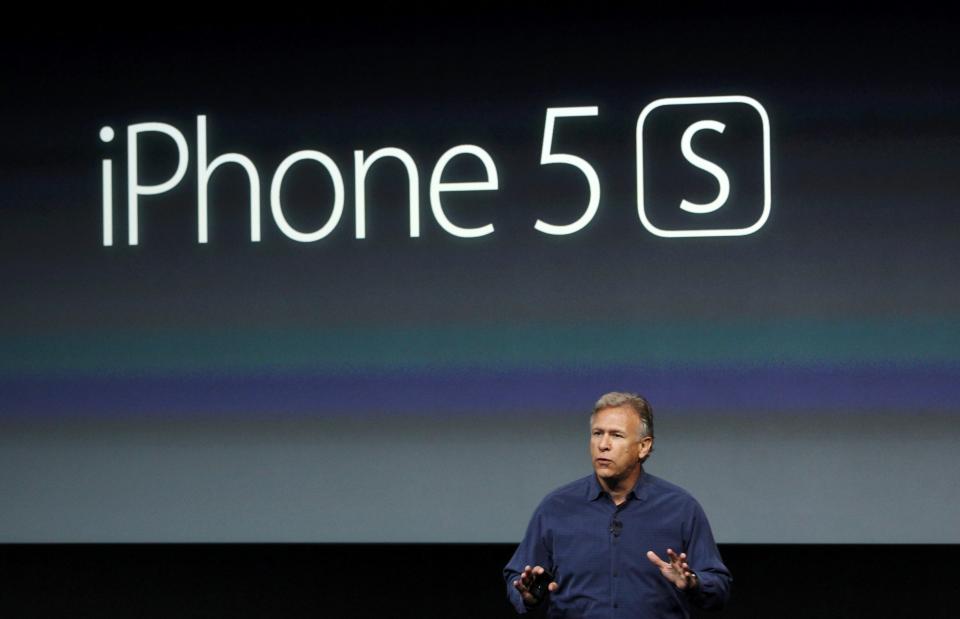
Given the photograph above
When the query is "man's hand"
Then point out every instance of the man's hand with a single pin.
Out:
(676, 570)
(525, 582)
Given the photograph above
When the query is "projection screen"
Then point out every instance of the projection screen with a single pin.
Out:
(362, 280)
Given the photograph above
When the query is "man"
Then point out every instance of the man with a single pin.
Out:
(619, 542)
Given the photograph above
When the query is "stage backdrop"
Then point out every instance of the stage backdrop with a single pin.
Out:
(362, 280)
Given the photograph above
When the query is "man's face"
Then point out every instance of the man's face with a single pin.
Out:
(616, 446)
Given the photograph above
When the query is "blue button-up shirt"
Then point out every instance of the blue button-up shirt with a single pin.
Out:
(597, 552)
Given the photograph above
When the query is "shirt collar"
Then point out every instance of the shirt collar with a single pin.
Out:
(639, 491)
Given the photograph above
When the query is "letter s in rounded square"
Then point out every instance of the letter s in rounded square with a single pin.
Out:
(703, 166)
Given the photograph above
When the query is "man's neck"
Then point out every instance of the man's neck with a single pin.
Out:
(618, 489)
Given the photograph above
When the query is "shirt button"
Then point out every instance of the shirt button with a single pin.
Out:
(615, 574)
(615, 605)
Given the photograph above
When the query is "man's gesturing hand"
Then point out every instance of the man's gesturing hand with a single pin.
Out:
(676, 570)
(525, 583)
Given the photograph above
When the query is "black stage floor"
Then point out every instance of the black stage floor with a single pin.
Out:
(435, 580)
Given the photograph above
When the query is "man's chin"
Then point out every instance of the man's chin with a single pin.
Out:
(606, 473)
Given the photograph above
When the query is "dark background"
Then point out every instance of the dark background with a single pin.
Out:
(455, 580)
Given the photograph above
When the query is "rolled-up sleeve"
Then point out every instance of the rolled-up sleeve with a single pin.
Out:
(533, 550)
(704, 559)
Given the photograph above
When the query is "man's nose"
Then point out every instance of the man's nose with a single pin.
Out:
(605, 443)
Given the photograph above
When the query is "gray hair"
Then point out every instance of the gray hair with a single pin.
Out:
(636, 402)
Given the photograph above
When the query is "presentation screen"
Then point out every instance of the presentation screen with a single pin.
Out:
(363, 280)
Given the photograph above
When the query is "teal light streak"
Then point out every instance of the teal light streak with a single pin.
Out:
(491, 346)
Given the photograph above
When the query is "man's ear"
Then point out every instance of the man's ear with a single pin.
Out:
(646, 446)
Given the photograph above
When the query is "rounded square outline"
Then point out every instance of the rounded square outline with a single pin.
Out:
(765, 121)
